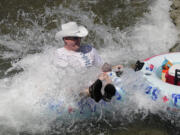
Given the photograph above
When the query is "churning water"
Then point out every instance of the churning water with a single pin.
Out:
(123, 31)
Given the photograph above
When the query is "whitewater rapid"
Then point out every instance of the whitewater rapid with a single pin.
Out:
(23, 95)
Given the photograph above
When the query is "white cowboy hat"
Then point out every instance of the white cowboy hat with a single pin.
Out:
(71, 29)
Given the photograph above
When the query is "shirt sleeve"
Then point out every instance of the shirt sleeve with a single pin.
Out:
(97, 59)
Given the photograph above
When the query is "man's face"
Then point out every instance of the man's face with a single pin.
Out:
(72, 43)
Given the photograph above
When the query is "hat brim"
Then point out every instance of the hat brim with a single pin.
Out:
(82, 32)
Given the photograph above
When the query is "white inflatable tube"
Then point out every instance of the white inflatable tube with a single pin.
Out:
(158, 89)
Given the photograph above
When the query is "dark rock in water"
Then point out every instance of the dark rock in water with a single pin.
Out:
(143, 132)
(176, 4)
(175, 48)
(175, 15)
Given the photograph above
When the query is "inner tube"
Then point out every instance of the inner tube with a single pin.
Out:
(87, 107)
(153, 71)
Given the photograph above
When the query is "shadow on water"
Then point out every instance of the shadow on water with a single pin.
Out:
(150, 125)
(5, 63)
(17, 14)
(120, 13)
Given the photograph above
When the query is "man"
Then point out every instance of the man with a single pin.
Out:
(73, 53)
(83, 56)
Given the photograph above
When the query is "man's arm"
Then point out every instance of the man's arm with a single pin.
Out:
(97, 59)
(107, 67)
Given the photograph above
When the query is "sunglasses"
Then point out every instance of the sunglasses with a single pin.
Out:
(71, 38)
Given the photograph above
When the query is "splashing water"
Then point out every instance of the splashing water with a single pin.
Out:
(31, 79)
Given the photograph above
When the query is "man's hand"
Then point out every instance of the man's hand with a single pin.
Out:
(118, 67)
(106, 67)
(104, 76)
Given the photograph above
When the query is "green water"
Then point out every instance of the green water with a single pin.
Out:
(121, 13)
(37, 16)
(151, 125)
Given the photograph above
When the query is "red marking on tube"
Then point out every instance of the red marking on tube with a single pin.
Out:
(165, 99)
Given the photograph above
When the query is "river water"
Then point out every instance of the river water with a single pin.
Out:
(123, 31)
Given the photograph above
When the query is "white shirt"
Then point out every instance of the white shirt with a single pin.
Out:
(86, 57)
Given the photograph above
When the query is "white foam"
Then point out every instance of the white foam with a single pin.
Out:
(25, 96)
(22, 93)
(155, 33)
(135, 86)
